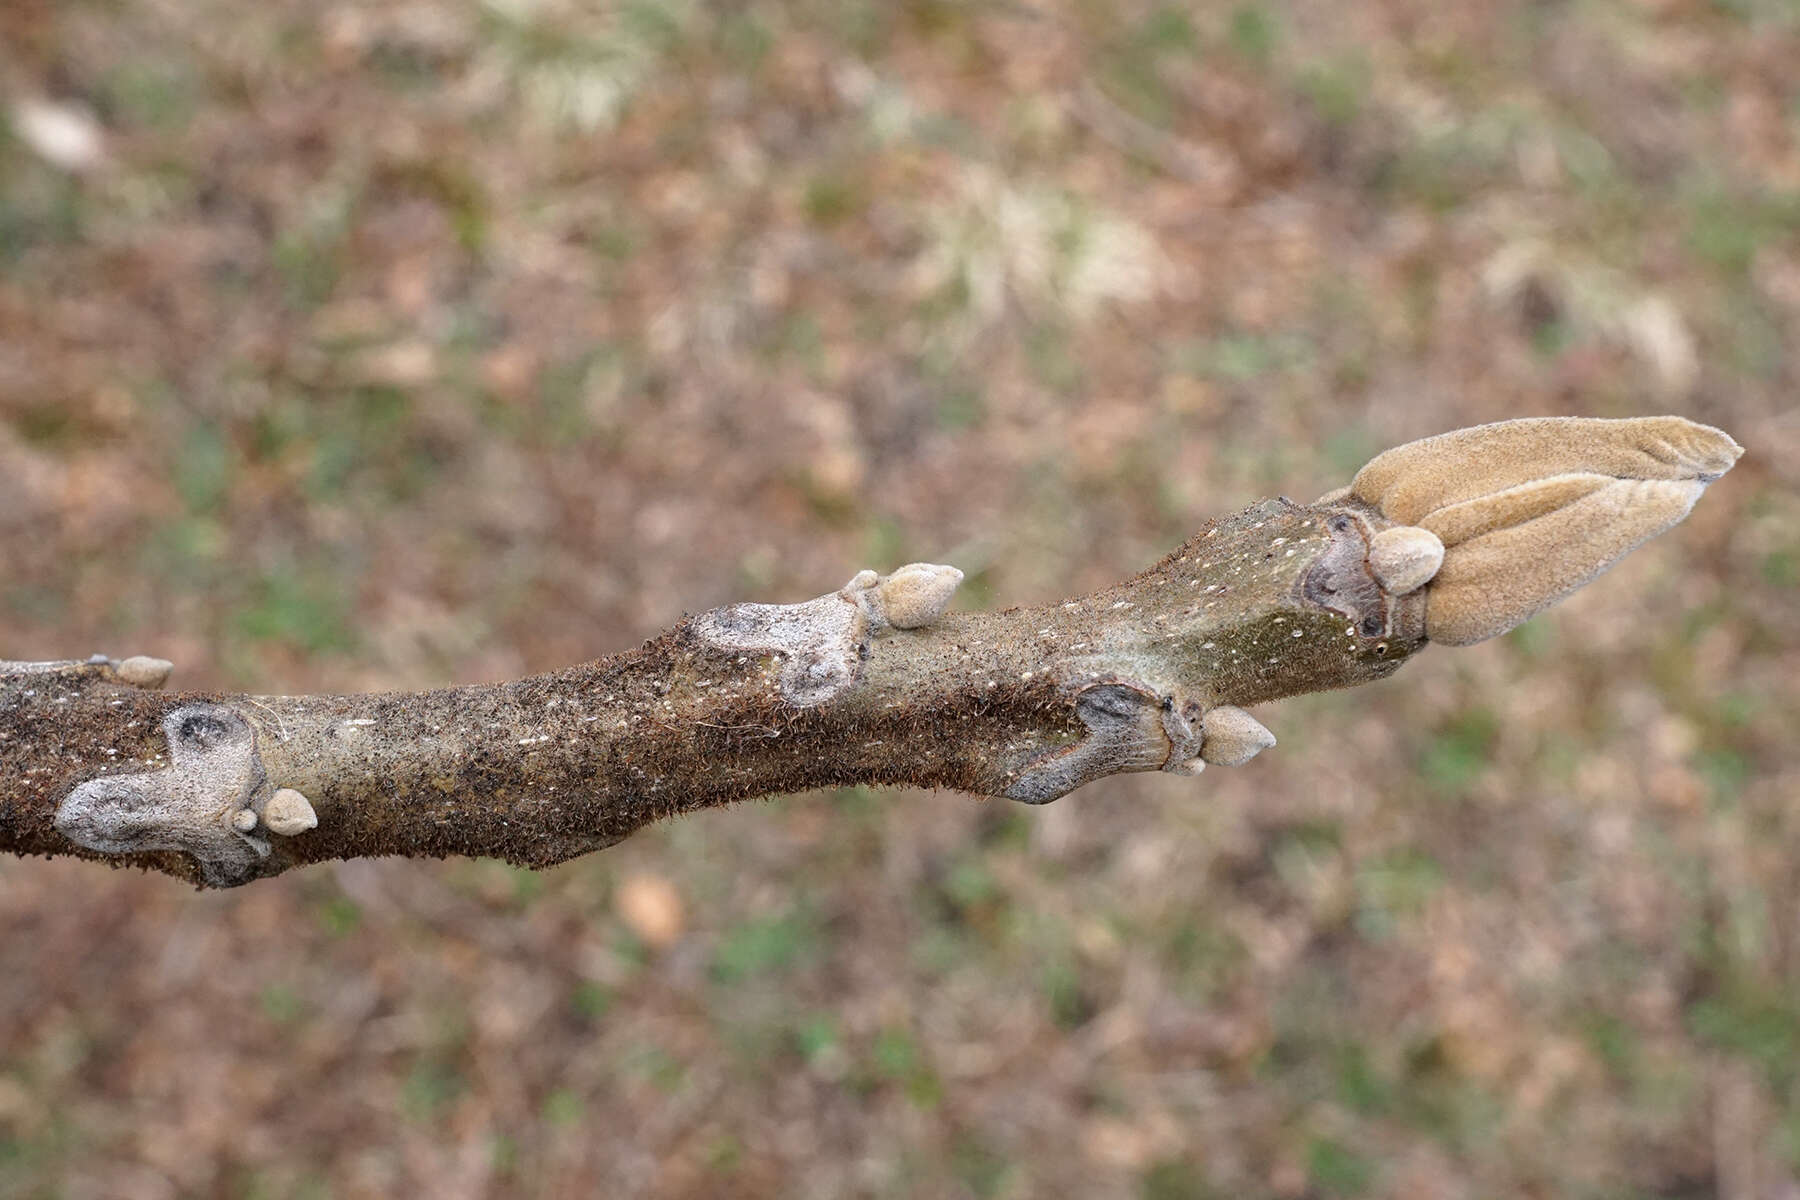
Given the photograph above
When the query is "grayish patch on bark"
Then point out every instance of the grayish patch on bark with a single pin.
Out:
(819, 642)
(823, 642)
(202, 803)
(1124, 733)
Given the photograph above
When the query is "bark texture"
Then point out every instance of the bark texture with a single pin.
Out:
(874, 683)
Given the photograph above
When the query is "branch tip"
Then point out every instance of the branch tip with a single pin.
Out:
(1527, 511)
(1451, 539)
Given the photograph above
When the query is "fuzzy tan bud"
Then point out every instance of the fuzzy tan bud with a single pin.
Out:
(1528, 511)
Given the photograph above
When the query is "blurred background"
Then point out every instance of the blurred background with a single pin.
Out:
(355, 345)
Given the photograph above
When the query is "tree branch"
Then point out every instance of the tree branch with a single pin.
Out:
(1453, 539)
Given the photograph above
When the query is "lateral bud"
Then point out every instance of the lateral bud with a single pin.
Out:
(142, 671)
(1231, 737)
(289, 813)
(912, 597)
(1405, 558)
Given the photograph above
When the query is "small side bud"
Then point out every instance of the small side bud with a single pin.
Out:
(1404, 558)
(917, 594)
(243, 820)
(142, 671)
(1232, 737)
(289, 813)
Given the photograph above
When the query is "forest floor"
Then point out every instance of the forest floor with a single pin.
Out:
(357, 345)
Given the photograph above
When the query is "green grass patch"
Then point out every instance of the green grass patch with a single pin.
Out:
(38, 207)
(656, 1066)
(982, 1169)
(1066, 994)
(833, 198)
(281, 1004)
(589, 1002)
(1203, 957)
(1614, 1042)
(1535, 640)
(1337, 1169)
(1758, 1023)
(431, 1087)
(1726, 771)
(1725, 229)
(1460, 750)
(1050, 351)
(765, 946)
(1360, 1086)
(1393, 889)
(1175, 1179)
(308, 260)
(50, 424)
(304, 607)
(1254, 33)
(1131, 65)
(339, 916)
(816, 1036)
(1337, 89)
(564, 1107)
(203, 469)
(1243, 357)
(895, 1058)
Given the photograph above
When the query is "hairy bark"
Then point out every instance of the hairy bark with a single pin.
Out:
(1452, 539)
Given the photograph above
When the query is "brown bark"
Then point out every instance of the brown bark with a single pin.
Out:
(870, 684)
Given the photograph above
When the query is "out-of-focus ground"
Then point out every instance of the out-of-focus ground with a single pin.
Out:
(368, 345)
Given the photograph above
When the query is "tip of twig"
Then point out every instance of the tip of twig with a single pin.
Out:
(1528, 511)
